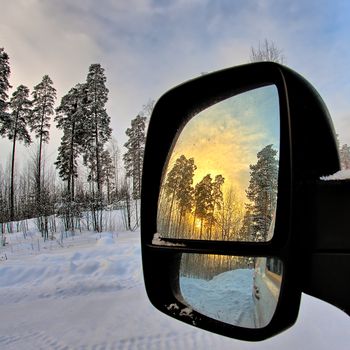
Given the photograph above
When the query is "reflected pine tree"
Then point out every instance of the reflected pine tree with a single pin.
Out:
(262, 192)
(176, 198)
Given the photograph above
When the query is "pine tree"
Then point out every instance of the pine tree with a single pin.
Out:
(204, 204)
(133, 158)
(217, 200)
(15, 128)
(114, 151)
(108, 174)
(4, 198)
(44, 96)
(246, 231)
(262, 191)
(4, 85)
(185, 190)
(98, 130)
(176, 198)
(177, 195)
(70, 118)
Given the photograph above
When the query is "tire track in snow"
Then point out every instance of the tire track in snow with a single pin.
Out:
(192, 340)
(167, 341)
(32, 340)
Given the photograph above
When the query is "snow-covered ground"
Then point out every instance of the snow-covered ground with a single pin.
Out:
(88, 293)
(226, 297)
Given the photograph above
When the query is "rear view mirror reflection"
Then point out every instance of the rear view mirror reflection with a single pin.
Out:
(221, 179)
(241, 291)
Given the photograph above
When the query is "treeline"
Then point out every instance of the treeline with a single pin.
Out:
(91, 177)
(207, 266)
(205, 211)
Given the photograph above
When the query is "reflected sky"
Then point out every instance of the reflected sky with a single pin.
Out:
(225, 138)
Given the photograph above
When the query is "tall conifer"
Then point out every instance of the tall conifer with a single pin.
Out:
(15, 128)
(98, 130)
(4, 84)
(133, 158)
(262, 191)
(44, 97)
(70, 119)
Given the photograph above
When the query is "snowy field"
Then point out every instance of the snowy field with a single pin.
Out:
(87, 293)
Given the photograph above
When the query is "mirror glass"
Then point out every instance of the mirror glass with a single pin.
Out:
(241, 291)
(221, 178)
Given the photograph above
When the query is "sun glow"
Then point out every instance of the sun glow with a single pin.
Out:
(197, 223)
(225, 138)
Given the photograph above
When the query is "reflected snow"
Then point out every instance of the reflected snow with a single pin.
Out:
(227, 297)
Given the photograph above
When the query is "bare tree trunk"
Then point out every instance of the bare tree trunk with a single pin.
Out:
(98, 167)
(38, 184)
(127, 204)
(170, 212)
(12, 191)
(136, 212)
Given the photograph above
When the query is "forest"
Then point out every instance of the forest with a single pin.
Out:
(90, 174)
(207, 210)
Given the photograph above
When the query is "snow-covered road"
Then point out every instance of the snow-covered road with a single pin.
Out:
(90, 295)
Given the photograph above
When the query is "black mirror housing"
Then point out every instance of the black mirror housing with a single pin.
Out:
(308, 150)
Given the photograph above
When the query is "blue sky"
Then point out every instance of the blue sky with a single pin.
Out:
(149, 46)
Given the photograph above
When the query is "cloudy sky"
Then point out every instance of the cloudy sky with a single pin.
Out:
(148, 46)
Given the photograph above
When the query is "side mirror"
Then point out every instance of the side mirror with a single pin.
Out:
(231, 199)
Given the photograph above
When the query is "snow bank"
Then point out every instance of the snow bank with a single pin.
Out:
(340, 175)
(227, 297)
(157, 240)
(105, 265)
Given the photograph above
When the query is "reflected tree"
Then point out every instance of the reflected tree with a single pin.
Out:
(217, 199)
(262, 192)
(230, 216)
(204, 205)
(177, 196)
(199, 212)
(208, 203)
(246, 232)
